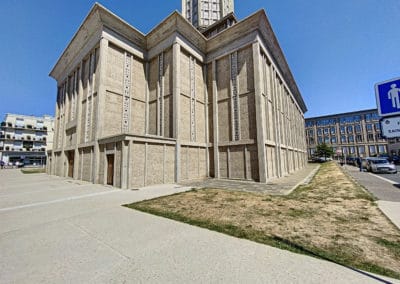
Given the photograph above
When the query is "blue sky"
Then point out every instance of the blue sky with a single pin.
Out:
(337, 49)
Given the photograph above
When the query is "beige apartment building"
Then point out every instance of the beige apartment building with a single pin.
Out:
(176, 104)
(356, 134)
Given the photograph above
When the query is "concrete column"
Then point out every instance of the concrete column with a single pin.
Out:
(207, 137)
(64, 161)
(176, 95)
(100, 83)
(260, 113)
(215, 119)
(147, 97)
(124, 165)
(99, 79)
(78, 117)
(276, 125)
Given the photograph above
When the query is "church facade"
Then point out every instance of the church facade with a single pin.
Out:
(176, 104)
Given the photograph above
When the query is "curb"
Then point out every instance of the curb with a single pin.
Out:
(305, 181)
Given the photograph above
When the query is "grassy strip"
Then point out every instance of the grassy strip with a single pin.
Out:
(33, 171)
(261, 237)
(332, 218)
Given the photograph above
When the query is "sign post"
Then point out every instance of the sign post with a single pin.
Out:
(388, 101)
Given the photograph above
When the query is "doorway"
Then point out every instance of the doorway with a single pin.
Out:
(110, 169)
(70, 156)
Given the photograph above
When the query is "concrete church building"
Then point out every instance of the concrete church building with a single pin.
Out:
(176, 104)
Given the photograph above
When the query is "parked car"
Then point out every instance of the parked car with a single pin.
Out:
(19, 164)
(351, 161)
(321, 159)
(380, 165)
(395, 160)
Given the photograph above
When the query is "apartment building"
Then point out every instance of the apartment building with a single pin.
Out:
(25, 139)
(355, 134)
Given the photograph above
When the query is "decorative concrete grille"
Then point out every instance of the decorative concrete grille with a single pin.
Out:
(235, 99)
(73, 97)
(160, 93)
(61, 123)
(192, 73)
(127, 93)
(89, 98)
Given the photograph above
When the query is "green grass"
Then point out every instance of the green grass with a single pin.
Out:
(33, 171)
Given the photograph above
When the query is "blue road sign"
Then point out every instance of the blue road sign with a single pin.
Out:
(388, 97)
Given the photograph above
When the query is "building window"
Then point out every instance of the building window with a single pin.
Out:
(326, 131)
(350, 129)
(358, 128)
(382, 149)
(319, 140)
(326, 140)
(378, 137)
(361, 150)
(319, 131)
(311, 140)
(352, 149)
(372, 149)
(333, 130)
(342, 129)
(19, 123)
(333, 140)
(377, 126)
(359, 138)
(343, 139)
(351, 139)
(369, 127)
(370, 137)
(309, 123)
(310, 132)
(345, 151)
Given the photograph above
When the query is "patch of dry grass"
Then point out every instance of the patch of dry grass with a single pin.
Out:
(33, 171)
(332, 217)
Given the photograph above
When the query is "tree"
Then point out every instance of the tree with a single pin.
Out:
(324, 150)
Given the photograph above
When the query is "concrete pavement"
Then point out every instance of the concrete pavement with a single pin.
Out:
(387, 191)
(55, 230)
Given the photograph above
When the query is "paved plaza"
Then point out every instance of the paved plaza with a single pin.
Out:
(57, 230)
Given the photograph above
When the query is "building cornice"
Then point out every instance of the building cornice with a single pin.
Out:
(342, 114)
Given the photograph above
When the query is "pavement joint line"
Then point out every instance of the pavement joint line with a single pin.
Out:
(57, 200)
(382, 178)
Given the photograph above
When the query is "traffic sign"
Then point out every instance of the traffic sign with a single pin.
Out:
(390, 127)
(388, 97)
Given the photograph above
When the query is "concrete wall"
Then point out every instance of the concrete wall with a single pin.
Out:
(151, 163)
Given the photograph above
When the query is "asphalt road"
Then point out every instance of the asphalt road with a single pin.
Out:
(55, 230)
(386, 191)
(392, 177)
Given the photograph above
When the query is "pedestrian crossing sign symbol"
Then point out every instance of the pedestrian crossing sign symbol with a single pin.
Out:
(388, 97)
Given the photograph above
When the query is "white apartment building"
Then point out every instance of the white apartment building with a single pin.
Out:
(25, 139)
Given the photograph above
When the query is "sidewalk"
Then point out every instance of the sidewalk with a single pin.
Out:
(58, 230)
(386, 191)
